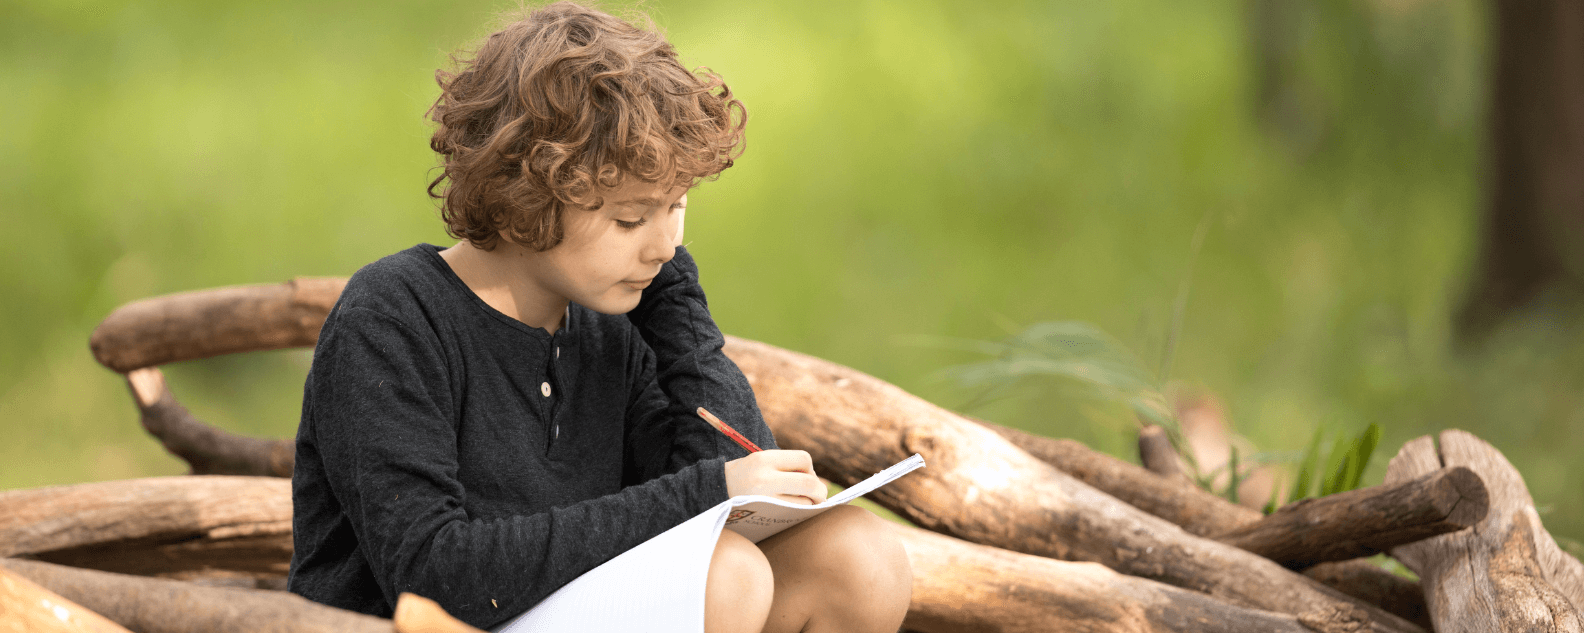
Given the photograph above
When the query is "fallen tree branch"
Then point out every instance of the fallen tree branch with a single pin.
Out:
(1156, 452)
(206, 449)
(960, 586)
(1505, 574)
(1201, 513)
(26, 606)
(207, 323)
(155, 525)
(154, 605)
(1365, 521)
(981, 488)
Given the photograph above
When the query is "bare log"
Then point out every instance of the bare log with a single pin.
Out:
(1193, 508)
(152, 526)
(1366, 521)
(980, 488)
(206, 449)
(960, 586)
(1156, 452)
(27, 607)
(1203, 514)
(1505, 574)
(154, 605)
(207, 323)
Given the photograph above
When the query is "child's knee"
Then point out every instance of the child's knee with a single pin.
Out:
(740, 586)
(866, 548)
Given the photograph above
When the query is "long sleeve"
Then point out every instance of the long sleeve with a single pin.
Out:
(380, 432)
(691, 371)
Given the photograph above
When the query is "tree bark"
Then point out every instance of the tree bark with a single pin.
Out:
(1156, 452)
(161, 525)
(206, 449)
(1366, 521)
(26, 606)
(207, 323)
(981, 488)
(1505, 574)
(1204, 514)
(154, 605)
(960, 586)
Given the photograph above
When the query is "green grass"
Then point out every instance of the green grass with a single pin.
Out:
(913, 168)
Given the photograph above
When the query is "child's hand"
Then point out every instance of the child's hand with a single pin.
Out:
(786, 475)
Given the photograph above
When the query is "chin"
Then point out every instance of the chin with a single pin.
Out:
(614, 305)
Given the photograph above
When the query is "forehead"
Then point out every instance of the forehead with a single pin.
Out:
(636, 193)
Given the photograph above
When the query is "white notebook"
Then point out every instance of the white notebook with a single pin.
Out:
(658, 586)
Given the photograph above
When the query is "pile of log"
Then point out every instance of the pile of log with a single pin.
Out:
(1017, 532)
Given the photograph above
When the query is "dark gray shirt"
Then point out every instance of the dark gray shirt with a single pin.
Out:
(451, 451)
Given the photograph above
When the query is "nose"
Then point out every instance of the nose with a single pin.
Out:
(659, 243)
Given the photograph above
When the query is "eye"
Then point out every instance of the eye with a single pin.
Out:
(632, 225)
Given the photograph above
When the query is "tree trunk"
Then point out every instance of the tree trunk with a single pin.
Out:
(981, 488)
(1532, 236)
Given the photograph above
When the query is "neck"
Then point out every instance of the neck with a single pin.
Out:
(503, 279)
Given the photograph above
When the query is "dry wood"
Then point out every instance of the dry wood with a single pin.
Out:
(25, 607)
(1204, 514)
(1195, 509)
(1156, 452)
(206, 323)
(981, 488)
(1366, 521)
(160, 525)
(960, 586)
(1504, 574)
(154, 605)
(208, 450)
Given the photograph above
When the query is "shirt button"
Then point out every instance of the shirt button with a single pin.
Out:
(557, 432)
(544, 388)
(558, 352)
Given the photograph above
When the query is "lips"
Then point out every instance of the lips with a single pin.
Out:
(641, 283)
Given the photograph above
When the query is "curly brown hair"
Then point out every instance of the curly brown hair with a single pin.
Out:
(562, 104)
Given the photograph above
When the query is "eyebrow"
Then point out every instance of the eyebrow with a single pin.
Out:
(650, 201)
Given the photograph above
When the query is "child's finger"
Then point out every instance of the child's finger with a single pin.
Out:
(791, 461)
(803, 485)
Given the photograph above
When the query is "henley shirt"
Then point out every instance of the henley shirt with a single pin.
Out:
(451, 451)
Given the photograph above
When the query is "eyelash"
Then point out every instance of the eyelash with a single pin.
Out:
(644, 220)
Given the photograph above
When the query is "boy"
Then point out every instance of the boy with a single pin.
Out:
(481, 424)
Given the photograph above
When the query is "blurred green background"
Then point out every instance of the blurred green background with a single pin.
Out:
(913, 169)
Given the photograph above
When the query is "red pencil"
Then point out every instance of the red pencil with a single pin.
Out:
(729, 431)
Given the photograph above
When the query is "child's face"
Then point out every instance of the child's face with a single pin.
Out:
(610, 254)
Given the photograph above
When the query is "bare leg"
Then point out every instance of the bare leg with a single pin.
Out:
(737, 595)
(840, 572)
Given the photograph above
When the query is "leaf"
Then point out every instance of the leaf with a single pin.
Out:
(1275, 496)
(1363, 450)
(1335, 463)
(1234, 478)
(1307, 468)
